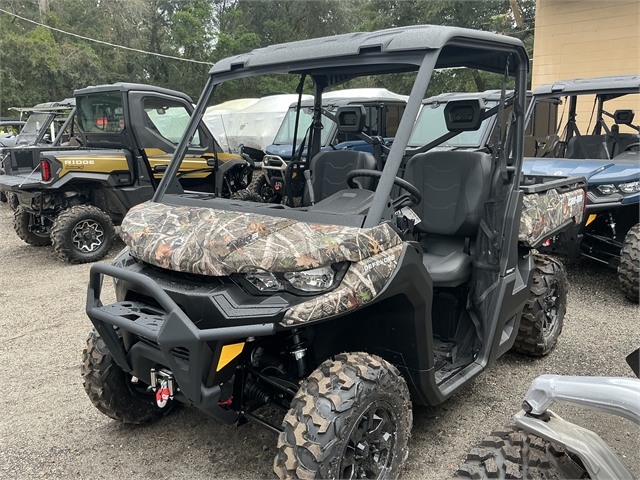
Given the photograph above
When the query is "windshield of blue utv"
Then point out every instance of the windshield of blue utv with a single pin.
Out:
(285, 134)
(431, 125)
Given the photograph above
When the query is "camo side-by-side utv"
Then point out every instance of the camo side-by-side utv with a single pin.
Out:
(72, 197)
(391, 284)
(607, 153)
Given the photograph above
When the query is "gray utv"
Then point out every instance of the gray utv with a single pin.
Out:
(394, 282)
(543, 445)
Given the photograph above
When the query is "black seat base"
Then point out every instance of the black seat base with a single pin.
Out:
(449, 270)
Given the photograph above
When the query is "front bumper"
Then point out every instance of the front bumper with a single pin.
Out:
(169, 337)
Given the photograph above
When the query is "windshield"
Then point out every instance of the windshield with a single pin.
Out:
(431, 125)
(32, 127)
(285, 134)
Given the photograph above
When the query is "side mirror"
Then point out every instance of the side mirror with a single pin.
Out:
(351, 118)
(623, 117)
(464, 115)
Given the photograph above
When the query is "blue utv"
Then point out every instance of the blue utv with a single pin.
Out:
(597, 136)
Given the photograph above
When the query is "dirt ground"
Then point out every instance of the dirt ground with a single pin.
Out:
(49, 428)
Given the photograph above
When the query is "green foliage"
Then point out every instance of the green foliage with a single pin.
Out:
(38, 65)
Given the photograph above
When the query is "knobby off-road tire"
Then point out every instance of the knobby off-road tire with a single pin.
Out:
(261, 187)
(629, 269)
(12, 201)
(110, 388)
(543, 314)
(246, 195)
(21, 223)
(82, 234)
(351, 418)
(512, 453)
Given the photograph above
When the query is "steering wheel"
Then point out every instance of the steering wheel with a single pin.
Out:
(411, 198)
(631, 146)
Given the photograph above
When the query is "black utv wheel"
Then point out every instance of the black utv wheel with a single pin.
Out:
(511, 453)
(112, 390)
(351, 418)
(24, 227)
(629, 269)
(12, 201)
(543, 314)
(261, 187)
(82, 234)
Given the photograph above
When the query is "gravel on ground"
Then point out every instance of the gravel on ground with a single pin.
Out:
(49, 428)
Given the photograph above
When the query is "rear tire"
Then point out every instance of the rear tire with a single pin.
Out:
(629, 269)
(110, 388)
(82, 234)
(511, 453)
(351, 418)
(12, 201)
(543, 314)
(22, 220)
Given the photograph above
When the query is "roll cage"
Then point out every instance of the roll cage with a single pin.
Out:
(334, 60)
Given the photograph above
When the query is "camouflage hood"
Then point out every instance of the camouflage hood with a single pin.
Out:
(207, 241)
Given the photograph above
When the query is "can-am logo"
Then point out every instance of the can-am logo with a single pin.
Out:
(79, 162)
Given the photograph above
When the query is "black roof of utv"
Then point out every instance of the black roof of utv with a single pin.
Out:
(126, 87)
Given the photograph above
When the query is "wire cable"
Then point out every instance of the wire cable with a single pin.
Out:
(105, 43)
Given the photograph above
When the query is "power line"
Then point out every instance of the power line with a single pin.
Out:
(105, 43)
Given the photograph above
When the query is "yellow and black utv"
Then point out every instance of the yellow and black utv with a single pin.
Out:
(72, 196)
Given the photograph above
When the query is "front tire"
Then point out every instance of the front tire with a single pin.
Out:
(629, 269)
(261, 187)
(111, 390)
(82, 234)
(543, 314)
(24, 225)
(512, 453)
(351, 418)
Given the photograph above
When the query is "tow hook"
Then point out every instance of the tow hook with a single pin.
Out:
(162, 384)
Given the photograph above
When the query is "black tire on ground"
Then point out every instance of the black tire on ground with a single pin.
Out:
(110, 388)
(12, 201)
(351, 418)
(543, 314)
(262, 188)
(629, 269)
(82, 234)
(511, 453)
(22, 219)
(246, 195)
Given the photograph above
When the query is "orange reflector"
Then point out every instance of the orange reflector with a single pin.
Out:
(228, 353)
(591, 218)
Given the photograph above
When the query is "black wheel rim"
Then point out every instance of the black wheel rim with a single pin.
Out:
(369, 450)
(550, 310)
(87, 236)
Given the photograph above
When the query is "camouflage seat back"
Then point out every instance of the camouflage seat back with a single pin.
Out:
(454, 187)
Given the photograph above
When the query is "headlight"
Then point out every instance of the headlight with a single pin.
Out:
(316, 280)
(631, 187)
(606, 189)
(264, 281)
